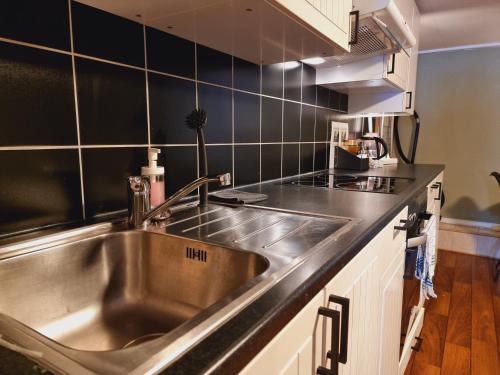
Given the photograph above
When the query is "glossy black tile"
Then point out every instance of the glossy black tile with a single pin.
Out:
(306, 157)
(112, 103)
(320, 156)
(37, 104)
(214, 66)
(180, 167)
(271, 162)
(323, 96)
(105, 35)
(246, 118)
(246, 164)
(293, 75)
(39, 187)
(308, 84)
(307, 123)
(246, 75)
(344, 102)
(171, 100)
(272, 80)
(105, 172)
(170, 54)
(37, 22)
(271, 120)
(217, 102)
(291, 159)
(220, 160)
(322, 119)
(291, 122)
(334, 101)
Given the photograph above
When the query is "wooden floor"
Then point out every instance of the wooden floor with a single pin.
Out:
(461, 332)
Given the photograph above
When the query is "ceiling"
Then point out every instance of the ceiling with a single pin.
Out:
(455, 23)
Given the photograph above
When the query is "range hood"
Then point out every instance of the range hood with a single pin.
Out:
(383, 29)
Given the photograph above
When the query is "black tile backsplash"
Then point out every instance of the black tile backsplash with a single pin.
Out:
(80, 172)
(36, 97)
(170, 101)
(217, 102)
(246, 157)
(39, 188)
(112, 103)
(271, 119)
(214, 66)
(39, 22)
(101, 34)
(169, 54)
(246, 117)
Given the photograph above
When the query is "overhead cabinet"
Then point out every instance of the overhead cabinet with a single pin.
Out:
(260, 31)
(352, 326)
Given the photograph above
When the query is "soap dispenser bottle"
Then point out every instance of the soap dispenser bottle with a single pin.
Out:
(156, 175)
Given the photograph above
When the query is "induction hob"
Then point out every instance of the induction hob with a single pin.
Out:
(371, 184)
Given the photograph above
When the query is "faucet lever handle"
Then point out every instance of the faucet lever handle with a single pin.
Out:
(224, 179)
(139, 202)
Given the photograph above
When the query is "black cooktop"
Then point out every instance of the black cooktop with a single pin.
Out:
(371, 184)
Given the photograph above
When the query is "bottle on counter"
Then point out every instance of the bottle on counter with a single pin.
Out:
(156, 175)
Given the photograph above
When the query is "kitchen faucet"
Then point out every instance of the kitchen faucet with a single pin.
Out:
(140, 212)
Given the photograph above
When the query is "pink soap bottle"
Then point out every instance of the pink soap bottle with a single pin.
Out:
(156, 175)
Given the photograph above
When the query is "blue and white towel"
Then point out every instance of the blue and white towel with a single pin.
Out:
(426, 260)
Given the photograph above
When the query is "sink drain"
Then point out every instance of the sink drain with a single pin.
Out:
(143, 339)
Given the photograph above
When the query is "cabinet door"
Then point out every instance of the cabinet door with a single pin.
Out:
(397, 66)
(358, 283)
(328, 17)
(296, 349)
(391, 299)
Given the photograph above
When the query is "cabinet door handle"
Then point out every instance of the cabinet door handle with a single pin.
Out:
(409, 94)
(355, 31)
(333, 354)
(440, 186)
(344, 331)
(393, 64)
(407, 224)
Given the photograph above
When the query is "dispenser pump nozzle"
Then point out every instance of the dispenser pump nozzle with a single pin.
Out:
(153, 168)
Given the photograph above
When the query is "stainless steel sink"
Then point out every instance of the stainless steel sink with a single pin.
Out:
(108, 300)
(120, 289)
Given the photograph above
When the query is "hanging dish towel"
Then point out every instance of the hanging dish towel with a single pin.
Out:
(426, 260)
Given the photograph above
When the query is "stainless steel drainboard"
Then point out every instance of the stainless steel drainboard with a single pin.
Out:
(261, 230)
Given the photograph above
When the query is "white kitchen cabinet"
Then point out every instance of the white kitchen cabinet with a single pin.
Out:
(330, 18)
(372, 286)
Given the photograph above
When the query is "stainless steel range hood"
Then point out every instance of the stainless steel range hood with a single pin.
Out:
(381, 31)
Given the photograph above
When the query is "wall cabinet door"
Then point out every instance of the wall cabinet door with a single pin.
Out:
(329, 17)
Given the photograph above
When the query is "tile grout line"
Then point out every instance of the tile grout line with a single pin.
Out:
(77, 112)
(146, 74)
(282, 159)
(233, 184)
(260, 136)
(197, 105)
(301, 100)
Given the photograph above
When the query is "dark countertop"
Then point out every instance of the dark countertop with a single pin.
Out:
(234, 344)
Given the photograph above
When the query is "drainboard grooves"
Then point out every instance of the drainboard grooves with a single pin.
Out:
(236, 225)
(295, 230)
(193, 217)
(241, 239)
(212, 221)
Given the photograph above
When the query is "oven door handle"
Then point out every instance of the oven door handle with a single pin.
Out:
(416, 241)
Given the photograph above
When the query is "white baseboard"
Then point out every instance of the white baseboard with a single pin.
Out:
(469, 243)
(469, 223)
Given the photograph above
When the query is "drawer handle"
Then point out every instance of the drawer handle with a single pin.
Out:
(440, 186)
(344, 332)
(355, 31)
(418, 343)
(333, 354)
(407, 224)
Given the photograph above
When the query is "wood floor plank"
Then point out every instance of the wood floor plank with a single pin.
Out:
(456, 360)
(496, 307)
(460, 315)
(484, 358)
(443, 278)
(433, 335)
(483, 317)
(447, 258)
(463, 268)
(420, 368)
(441, 304)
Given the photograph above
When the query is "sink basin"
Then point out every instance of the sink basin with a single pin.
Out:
(120, 289)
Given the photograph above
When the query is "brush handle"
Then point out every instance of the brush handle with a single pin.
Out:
(202, 166)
